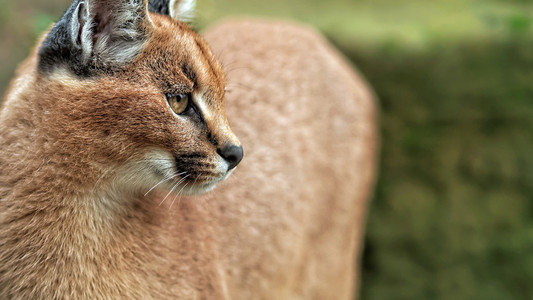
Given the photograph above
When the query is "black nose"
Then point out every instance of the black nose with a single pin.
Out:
(232, 154)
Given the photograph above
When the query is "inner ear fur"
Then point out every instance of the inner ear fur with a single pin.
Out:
(120, 29)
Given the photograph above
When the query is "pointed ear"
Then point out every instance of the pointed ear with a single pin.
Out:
(97, 34)
(181, 10)
(119, 29)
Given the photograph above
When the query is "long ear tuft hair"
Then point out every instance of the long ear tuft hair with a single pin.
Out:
(181, 10)
(96, 34)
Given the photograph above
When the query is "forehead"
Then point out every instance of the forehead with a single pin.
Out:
(176, 56)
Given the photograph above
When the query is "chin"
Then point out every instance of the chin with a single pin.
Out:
(201, 189)
(188, 187)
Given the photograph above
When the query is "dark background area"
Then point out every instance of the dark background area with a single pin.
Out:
(452, 216)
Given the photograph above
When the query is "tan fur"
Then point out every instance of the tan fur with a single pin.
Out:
(74, 220)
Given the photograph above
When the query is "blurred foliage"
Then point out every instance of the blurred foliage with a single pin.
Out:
(453, 213)
(21, 24)
(452, 217)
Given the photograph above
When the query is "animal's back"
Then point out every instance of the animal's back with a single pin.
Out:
(290, 221)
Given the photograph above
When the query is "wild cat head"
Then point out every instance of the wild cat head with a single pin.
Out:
(127, 83)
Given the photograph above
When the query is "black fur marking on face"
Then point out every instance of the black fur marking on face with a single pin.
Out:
(159, 7)
(212, 139)
(198, 119)
(191, 164)
(192, 155)
(188, 71)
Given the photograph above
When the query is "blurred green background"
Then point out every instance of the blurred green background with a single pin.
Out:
(452, 217)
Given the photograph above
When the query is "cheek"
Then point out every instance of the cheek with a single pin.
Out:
(189, 139)
(146, 122)
(162, 129)
(129, 129)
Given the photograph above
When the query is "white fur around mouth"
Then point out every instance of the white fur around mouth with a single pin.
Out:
(187, 186)
(157, 171)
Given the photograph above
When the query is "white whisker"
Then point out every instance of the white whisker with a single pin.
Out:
(190, 188)
(173, 188)
(164, 180)
(179, 194)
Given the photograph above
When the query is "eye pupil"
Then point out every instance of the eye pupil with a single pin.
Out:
(178, 103)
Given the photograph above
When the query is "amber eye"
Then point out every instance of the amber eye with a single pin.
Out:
(178, 103)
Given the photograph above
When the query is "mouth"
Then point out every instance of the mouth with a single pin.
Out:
(183, 175)
(186, 184)
(194, 175)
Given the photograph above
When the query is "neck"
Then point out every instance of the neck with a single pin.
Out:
(91, 240)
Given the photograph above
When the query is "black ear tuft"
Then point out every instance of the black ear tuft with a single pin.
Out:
(159, 7)
(96, 35)
(59, 47)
